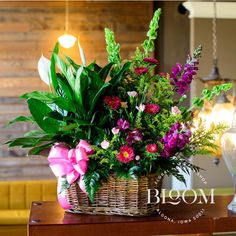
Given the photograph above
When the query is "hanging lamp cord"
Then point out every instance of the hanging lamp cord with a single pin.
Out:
(214, 34)
(66, 16)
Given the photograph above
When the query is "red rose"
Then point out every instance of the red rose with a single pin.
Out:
(152, 108)
(152, 148)
(113, 102)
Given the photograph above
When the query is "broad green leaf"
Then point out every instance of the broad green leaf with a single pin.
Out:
(55, 115)
(103, 73)
(39, 111)
(97, 96)
(51, 98)
(71, 62)
(38, 149)
(65, 87)
(75, 125)
(70, 77)
(34, 133)
(119, 75)
(94, 80)
(53, 67)
(23, 141)
(60, 64)
(21, 119)
(81, 87)
(94, 67)
(42, 96)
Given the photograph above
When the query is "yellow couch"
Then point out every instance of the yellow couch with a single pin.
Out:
(15, 201)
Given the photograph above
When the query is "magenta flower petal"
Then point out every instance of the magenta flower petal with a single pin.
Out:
(151, 60)
(141, 70)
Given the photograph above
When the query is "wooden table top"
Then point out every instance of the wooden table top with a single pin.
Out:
(212, 218)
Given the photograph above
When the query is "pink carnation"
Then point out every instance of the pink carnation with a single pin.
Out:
(141, 70)
(152, 148)
(152, 108)
(126, 154)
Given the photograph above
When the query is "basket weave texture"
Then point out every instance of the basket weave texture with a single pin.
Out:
(118, 197)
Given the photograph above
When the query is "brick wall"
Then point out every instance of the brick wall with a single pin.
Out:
(28, 29)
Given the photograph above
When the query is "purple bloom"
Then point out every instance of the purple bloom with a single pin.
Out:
(182, 76)
(134, 136)
(175, 140)
(123, 124)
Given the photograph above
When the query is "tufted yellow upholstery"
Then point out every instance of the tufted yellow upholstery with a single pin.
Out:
(15, 201)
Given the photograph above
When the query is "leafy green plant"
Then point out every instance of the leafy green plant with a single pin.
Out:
(129, 116)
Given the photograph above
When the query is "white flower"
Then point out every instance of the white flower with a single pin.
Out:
(175, 110)
(115, 130)
(82, 56)
(141, 107)
(137, 158)
(44, 69)
(132, 93)
(105, 144)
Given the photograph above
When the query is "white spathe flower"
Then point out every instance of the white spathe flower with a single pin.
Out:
(105, 144)
(82, 56)
(141, 107)
(115, 130)
(175, 110)
(44, 69)
(132, 93)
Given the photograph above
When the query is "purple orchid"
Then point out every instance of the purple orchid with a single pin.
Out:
(175, 140)
(123, 124)
(134, 136)
(182, 76)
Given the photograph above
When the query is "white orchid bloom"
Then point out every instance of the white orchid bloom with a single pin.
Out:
(44, 69)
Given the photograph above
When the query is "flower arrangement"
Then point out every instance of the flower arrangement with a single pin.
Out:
(121, 119)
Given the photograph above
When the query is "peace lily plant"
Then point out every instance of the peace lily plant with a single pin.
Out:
(123, 119)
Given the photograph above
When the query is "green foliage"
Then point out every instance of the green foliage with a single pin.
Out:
(203, 140)
(94, 178)
(148, 44)
(86, 102)
(113, 48)
(21, 119)
(208, 94)
(53, 75)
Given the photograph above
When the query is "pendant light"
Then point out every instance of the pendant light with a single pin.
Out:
(222, 110)
(67, 40)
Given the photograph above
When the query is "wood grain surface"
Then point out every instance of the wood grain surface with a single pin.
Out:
(47, 218)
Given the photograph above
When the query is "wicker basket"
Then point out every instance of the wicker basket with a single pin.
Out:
(117, 197)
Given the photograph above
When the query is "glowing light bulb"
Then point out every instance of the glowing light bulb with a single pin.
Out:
(67, 40)
(223, 113)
